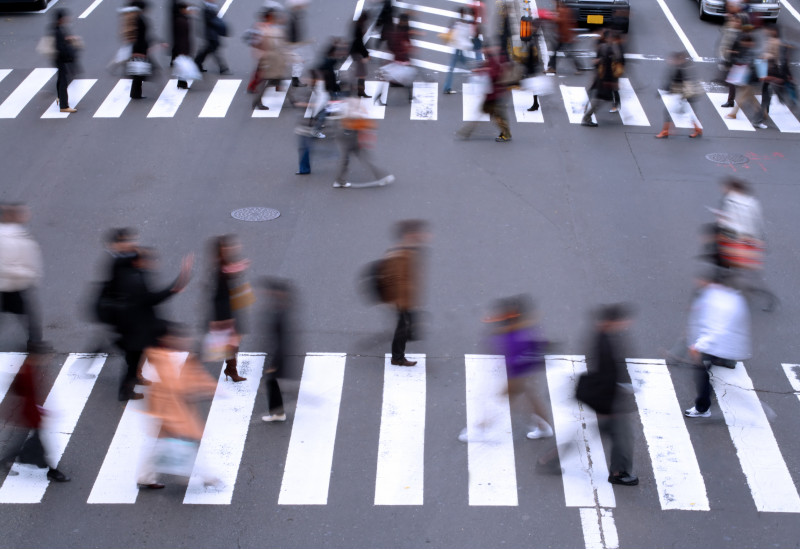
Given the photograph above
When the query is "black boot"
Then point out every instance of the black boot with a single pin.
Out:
(297, 84)
(361, 86)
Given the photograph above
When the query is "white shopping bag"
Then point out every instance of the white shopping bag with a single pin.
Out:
(184, 68)
(400, 73)
(538, 85)
(739, 75)
(482, 82)
(174, 456)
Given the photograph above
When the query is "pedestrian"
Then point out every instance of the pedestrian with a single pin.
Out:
(744, 75)
(460, 41)
(182, 41)
(729, 36)
(296, 37)
(681, 83)
(278, 324)
(356, 137)
(127, 35)
(270, 51)
(214, 29)
(385, 21)
(231, 294)
(20, 269)
(476, 11)
(565, 35)
(24, 444)
(140, 46)
(172, 403)
(775, 58)
(718, 334)
(606, 80)
(503, 30)
(533, 62)
(400, 47)
(66, 46)
(608, 390)
(401, 273)
(494, 102)
(615, 42)
(141, 323)
(359, 53)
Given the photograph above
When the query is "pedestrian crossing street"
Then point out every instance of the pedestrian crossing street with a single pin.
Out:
(399, 481)
(425, 107)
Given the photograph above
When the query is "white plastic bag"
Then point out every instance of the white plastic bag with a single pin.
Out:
(739, 75)
(184, 68)
(138, 66)
(482, 83)
(123, 54)
(174, 456)
(400, 73)
(539, 85)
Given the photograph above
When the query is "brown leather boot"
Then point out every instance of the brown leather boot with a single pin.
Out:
(231, 372)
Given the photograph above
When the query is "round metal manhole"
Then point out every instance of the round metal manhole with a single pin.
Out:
(255, 214)
(727, 158)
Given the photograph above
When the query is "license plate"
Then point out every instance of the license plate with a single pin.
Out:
(594, 19)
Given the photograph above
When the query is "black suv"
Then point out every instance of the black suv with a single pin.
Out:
(601, 13)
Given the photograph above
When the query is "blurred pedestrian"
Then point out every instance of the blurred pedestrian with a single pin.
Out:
(141, 322)
(23, 441)
(681, 83)
(400, 46)
(494, 102)
(476, 11)
(66, 57)
(360, 53)
(608, 390)
(503, 30)
(270, 51)
(744, 75)
(729, 36)
(140, 46)
(775, 57)
(231, 295)
(606, 79)
(296, 37)
(182, 41)
(533, 61)
(356, 138)
(385, 21)
(401, 275)
(20, 269)
(565, 35)
(279, 330)
(215, 29)
(718, 334)
(460, 41)
(127, 35)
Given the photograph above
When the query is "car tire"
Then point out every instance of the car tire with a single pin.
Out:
(703, 14)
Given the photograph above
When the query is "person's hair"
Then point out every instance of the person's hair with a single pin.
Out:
(216, 245)
(408, 227)
(120, 234)
(613, 312)
(59, 14)
(737, 185)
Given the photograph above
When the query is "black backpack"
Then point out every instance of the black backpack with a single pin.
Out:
(373, 284)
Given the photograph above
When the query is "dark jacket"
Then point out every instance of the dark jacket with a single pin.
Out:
(221, 300)
(608, 370)
(141, 325)
(65, 52)
(182, 40)
(357, 47)
(141, 44)
(214, 26)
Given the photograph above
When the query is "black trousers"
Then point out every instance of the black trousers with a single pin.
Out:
(136, 87)
(62, 80)
(23, 302)
(703, 379)
(274, 397)
(211, 48)
(402, 334)
(129, 379)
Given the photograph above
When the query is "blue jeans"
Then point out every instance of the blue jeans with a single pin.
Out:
(458, 55)
(305, 155)
(477, 45)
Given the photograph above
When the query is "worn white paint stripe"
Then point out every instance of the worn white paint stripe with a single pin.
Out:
(307, 473)
(274, 100)
(677, 473)
(440, 48)
(115, 102)
(9, 367)
(793, 374)
(738, 123)
(116, 480)
(472, 101)
(401, 444)
(680, 111)
(20, 97)
(782, 116)
(791, 9)
(576, 101)
(427, 27)
(75, 91)
(599, 528)
(220, 99)
(585, 474)
(426, 101)
(64, 405)
(678, 30)
(4, 73)
(523, 100)
(426, 9)
(168, 102)
(224, 9)
(377, 54)
(221, 447)
(90, 9)
(359, 9)
(631, 111)
(492, 469)
(764, 467)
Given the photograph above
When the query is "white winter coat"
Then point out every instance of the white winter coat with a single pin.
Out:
(719, 323)
(20, 258)
(741, 214)
(461, 35)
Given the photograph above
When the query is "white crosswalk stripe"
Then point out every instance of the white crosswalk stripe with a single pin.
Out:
(739, 123)
(4, 73)
(793, 374)
(522, 100)
(75, 91)
(576, 101)
(169, 101)
(273, 99)
(781, 116)
(681, 112)
(9, 367)
(472, 101)
(426, 101)
(220, 98)
(630, 111)
(115, 102)
(22, 95)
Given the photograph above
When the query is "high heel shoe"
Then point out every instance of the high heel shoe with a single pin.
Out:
(231, 371)
(377, 101)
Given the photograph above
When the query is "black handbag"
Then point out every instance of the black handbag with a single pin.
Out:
(592, 389)
(33, 452)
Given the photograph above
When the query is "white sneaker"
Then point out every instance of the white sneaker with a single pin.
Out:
(694, 413)
(762, 126)
(613, 110)
(387, 180)
(274, 418)
(462, 437)
(540, 433)
(338, 184)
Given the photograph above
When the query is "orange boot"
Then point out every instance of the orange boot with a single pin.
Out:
(698, 131)
(664, 133)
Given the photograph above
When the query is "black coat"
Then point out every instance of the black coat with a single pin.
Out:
(65, 52)
(607, 370)
(141, 325)
(221, 299)
(182, 44)
(141, 44)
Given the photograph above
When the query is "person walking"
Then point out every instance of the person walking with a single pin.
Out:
(141, 322)
(401, 276)
(494, 101)
(66, 57)
(565, 35)
(182, 41)
(20, 269)
(681, 83)
(729, 36)
(355, 139)
(533, 61)
(231, 294)
(296, 33)
(718, 334)
(140, 46)
(270, 51)
(476, 10)
(279, 332)
(360, 53)
(461, 41)
(743, 59)
(214, 29)
(606, 80)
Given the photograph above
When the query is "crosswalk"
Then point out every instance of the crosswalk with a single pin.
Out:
(225, 93)
(400, 473)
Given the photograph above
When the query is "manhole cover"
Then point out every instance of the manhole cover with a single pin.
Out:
(727, 158)
(255, 214)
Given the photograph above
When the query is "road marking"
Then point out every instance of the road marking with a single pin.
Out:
(90, 9)
(781, 116)
(426, 101)
(307, 473)
(680, 111)
(428, 27)
(20, 97)
(682, 35)
(368, 106)
(75, 91)
(274, 100)
(440, 48)
(417, 62)
(738, 123)
(224, 8)
(426, 9)
(522, 100)
(585, 473)
(319, 99)
(490, 447)
(791, 9)
(472, 101)
(401, 446)
(677, 473)
(764, 467)
(9, 367)
(64, 403)
(116, 480)
(599, 529)
(576, 101)
(220, 99)
(168, 102)
(221, 447)
(4, 73)
(115, 103)
(359, 9)
(793, 374)
(630, 111)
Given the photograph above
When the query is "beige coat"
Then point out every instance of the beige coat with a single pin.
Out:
(271, 53)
